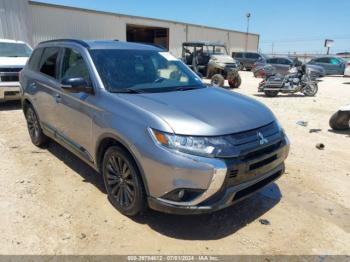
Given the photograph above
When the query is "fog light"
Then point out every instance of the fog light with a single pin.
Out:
(183, 194)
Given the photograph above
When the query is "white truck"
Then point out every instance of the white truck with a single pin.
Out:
(13, 57)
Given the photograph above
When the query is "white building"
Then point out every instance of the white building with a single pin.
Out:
(34, 22)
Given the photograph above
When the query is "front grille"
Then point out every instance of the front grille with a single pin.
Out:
(243, 138)
(262, 151)
(262, 163)
(9, 70)
(9, 78)
(10, 74)
(231, 65)
(11, 93)
(249, 190)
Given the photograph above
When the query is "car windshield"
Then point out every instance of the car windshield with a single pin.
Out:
(143, 71)
(14, 50)
(215, 50)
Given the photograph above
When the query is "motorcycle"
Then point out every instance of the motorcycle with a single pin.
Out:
(340, 120)
(299, 79)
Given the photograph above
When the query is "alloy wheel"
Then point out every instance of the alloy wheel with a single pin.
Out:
(120, 181)
(33, 124)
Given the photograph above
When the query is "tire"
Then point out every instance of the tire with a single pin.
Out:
(218, 80)
(271, 93)
(236, 82)
(35, 131)
(123, 181)
(340, 121)
(310, 89)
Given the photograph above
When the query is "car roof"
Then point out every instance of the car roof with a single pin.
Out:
(11, 41)
(327, 56)
(281, 57)
(203, 43)
(107, 44)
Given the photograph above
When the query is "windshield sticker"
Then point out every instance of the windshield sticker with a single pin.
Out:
(168, 56)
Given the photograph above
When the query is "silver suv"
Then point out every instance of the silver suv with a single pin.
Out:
(147, 123)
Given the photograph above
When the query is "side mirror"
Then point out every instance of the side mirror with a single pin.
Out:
(199, 74)
(75, 85)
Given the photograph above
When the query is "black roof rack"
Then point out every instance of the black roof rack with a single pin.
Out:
(77, 41)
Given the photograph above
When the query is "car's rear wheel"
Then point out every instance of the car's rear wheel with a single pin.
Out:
(123, 182)
(218, 80)
(35, 131)
(340, 121)
(235, 82)
(270, 93)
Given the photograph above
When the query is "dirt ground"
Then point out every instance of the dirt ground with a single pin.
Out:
(52, 203)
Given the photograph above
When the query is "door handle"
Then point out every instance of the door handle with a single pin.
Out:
(58, 98)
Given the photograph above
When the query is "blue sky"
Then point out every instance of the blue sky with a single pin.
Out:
(288, 26)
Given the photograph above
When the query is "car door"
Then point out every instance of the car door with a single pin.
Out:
(75, 110)
(274, 63)
(46, 86)
(323, 62)
(251, 58)
(284, 65)
(337, 66)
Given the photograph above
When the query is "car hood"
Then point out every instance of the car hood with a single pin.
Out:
(13, 61)
(204, 112)
(223, 59)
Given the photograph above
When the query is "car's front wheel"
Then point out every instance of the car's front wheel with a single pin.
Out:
(35, 132)
(123, 182)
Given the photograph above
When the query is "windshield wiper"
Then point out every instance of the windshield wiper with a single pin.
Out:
(185, 88)
(127, 91)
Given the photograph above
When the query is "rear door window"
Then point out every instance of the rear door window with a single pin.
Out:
(284, 61)
(325, 60)
(272, 61)
(252, 56)
(48, 63)
(238, 55)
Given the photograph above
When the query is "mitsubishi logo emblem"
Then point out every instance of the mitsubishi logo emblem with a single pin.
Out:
(262, 139)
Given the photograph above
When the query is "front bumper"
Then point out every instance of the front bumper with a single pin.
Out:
(243, 177)
(9, 91)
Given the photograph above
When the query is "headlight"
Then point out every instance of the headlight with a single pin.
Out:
(280, 128)
(219, 146)
(221, 64)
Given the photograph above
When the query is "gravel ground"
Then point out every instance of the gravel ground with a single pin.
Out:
(52, 203)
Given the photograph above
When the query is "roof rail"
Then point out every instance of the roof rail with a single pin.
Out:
(153, 44)
(77, 41)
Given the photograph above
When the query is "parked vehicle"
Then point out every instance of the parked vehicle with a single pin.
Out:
(248, 59)
(210, 59)
(282, 65)
(13, 57)
(149, 125)
(297, 80)
(333, 65)
(347, 68)
(340, 120)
